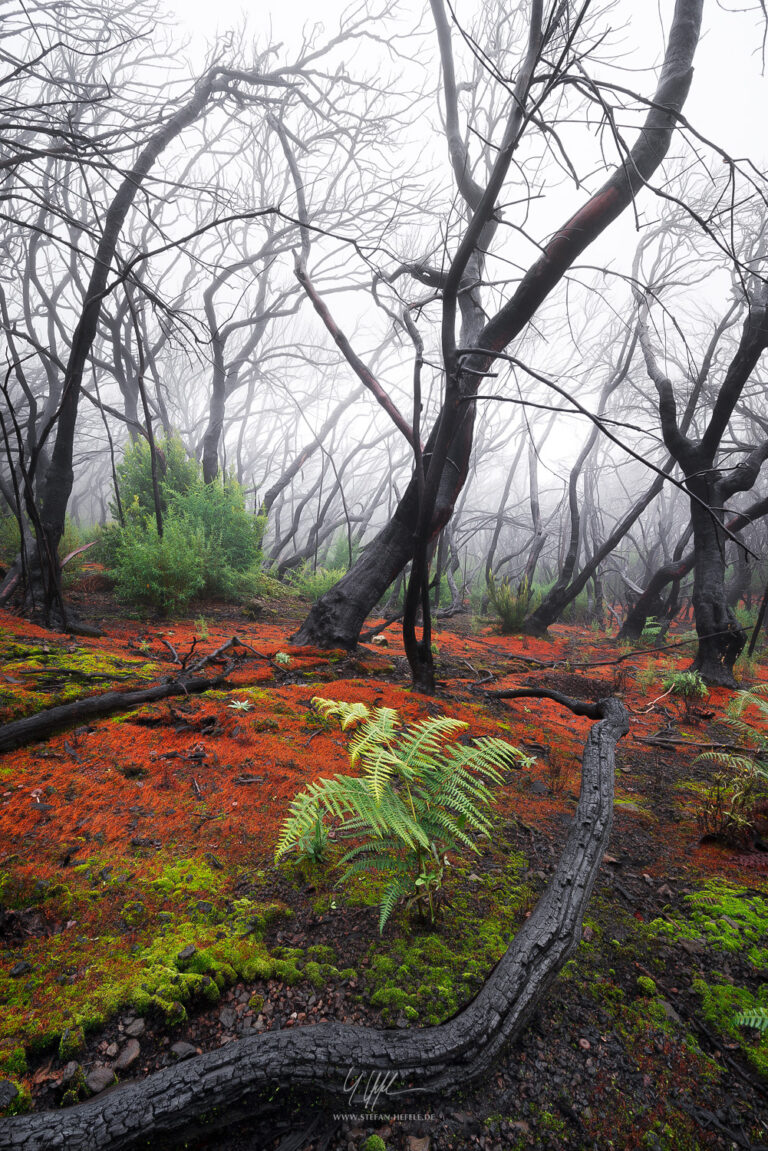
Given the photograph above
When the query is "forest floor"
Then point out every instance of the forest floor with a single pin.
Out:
(142, 918)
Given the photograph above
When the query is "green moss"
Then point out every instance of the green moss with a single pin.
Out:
(728, 919)
(646, 985)
(374, 1143)
(71, 1044)
(57, 675)
(13, 1062)
(721, 1003)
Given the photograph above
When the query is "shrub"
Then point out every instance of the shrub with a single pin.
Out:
(314, 584)
(511, 606)
(416, 800)
(164, 571)
(177, 472)
(10, 538)
(686, 685)
(211, 544)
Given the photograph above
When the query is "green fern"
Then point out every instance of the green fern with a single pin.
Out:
(419, 796)
(756, 1017)
(739, 789)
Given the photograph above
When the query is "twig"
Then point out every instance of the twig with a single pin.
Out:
(172, 650)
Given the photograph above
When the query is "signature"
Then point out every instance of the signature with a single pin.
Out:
(369, 1086)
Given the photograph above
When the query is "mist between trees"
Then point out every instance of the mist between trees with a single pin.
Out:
(462, 300)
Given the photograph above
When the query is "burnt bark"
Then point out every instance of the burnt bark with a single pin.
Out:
(417, 1062)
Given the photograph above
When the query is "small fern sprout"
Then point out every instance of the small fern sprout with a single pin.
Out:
(419, 794)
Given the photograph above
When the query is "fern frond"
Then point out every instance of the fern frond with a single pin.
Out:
(348, 714)
(423, 742)
(379, 730)
(392, 894)
(756, 1017)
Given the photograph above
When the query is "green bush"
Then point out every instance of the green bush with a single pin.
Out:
(177, 473)
(211, 545)
(10, 538)
(164, 571)
(313, 584)
(511, 605)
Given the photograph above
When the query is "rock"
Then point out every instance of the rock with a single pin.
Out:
(665, 891)
(20, 968)
(693, 946)
(99, 1078)
(138, 1027)
(584, 1044)
(227, 1017)
(186, 953)
(112, 1050)
(415, 1143)
(670, 1012)
(183, 1050)
(8, 1092)
(128, 1055)
(538, 787)
(70, 1072)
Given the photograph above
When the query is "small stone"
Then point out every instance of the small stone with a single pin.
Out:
(538, 787)
(8, 1092)
(186, 953)
(588, 934)
(415, 1143)
(670, 1012)
(183, 1050)
(665, 891)
(112, 1050)
(584, 1044)
(227, 1017)
(99, 1078)
(20, 968)
(138, 1027)
(128, 1055)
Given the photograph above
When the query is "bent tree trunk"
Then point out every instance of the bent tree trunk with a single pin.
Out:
(413, 1063)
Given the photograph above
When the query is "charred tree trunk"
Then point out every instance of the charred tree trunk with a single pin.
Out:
(414, 1063)
(721, 636)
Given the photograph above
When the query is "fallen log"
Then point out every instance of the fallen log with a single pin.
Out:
(406, 1065)
(52, 719)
